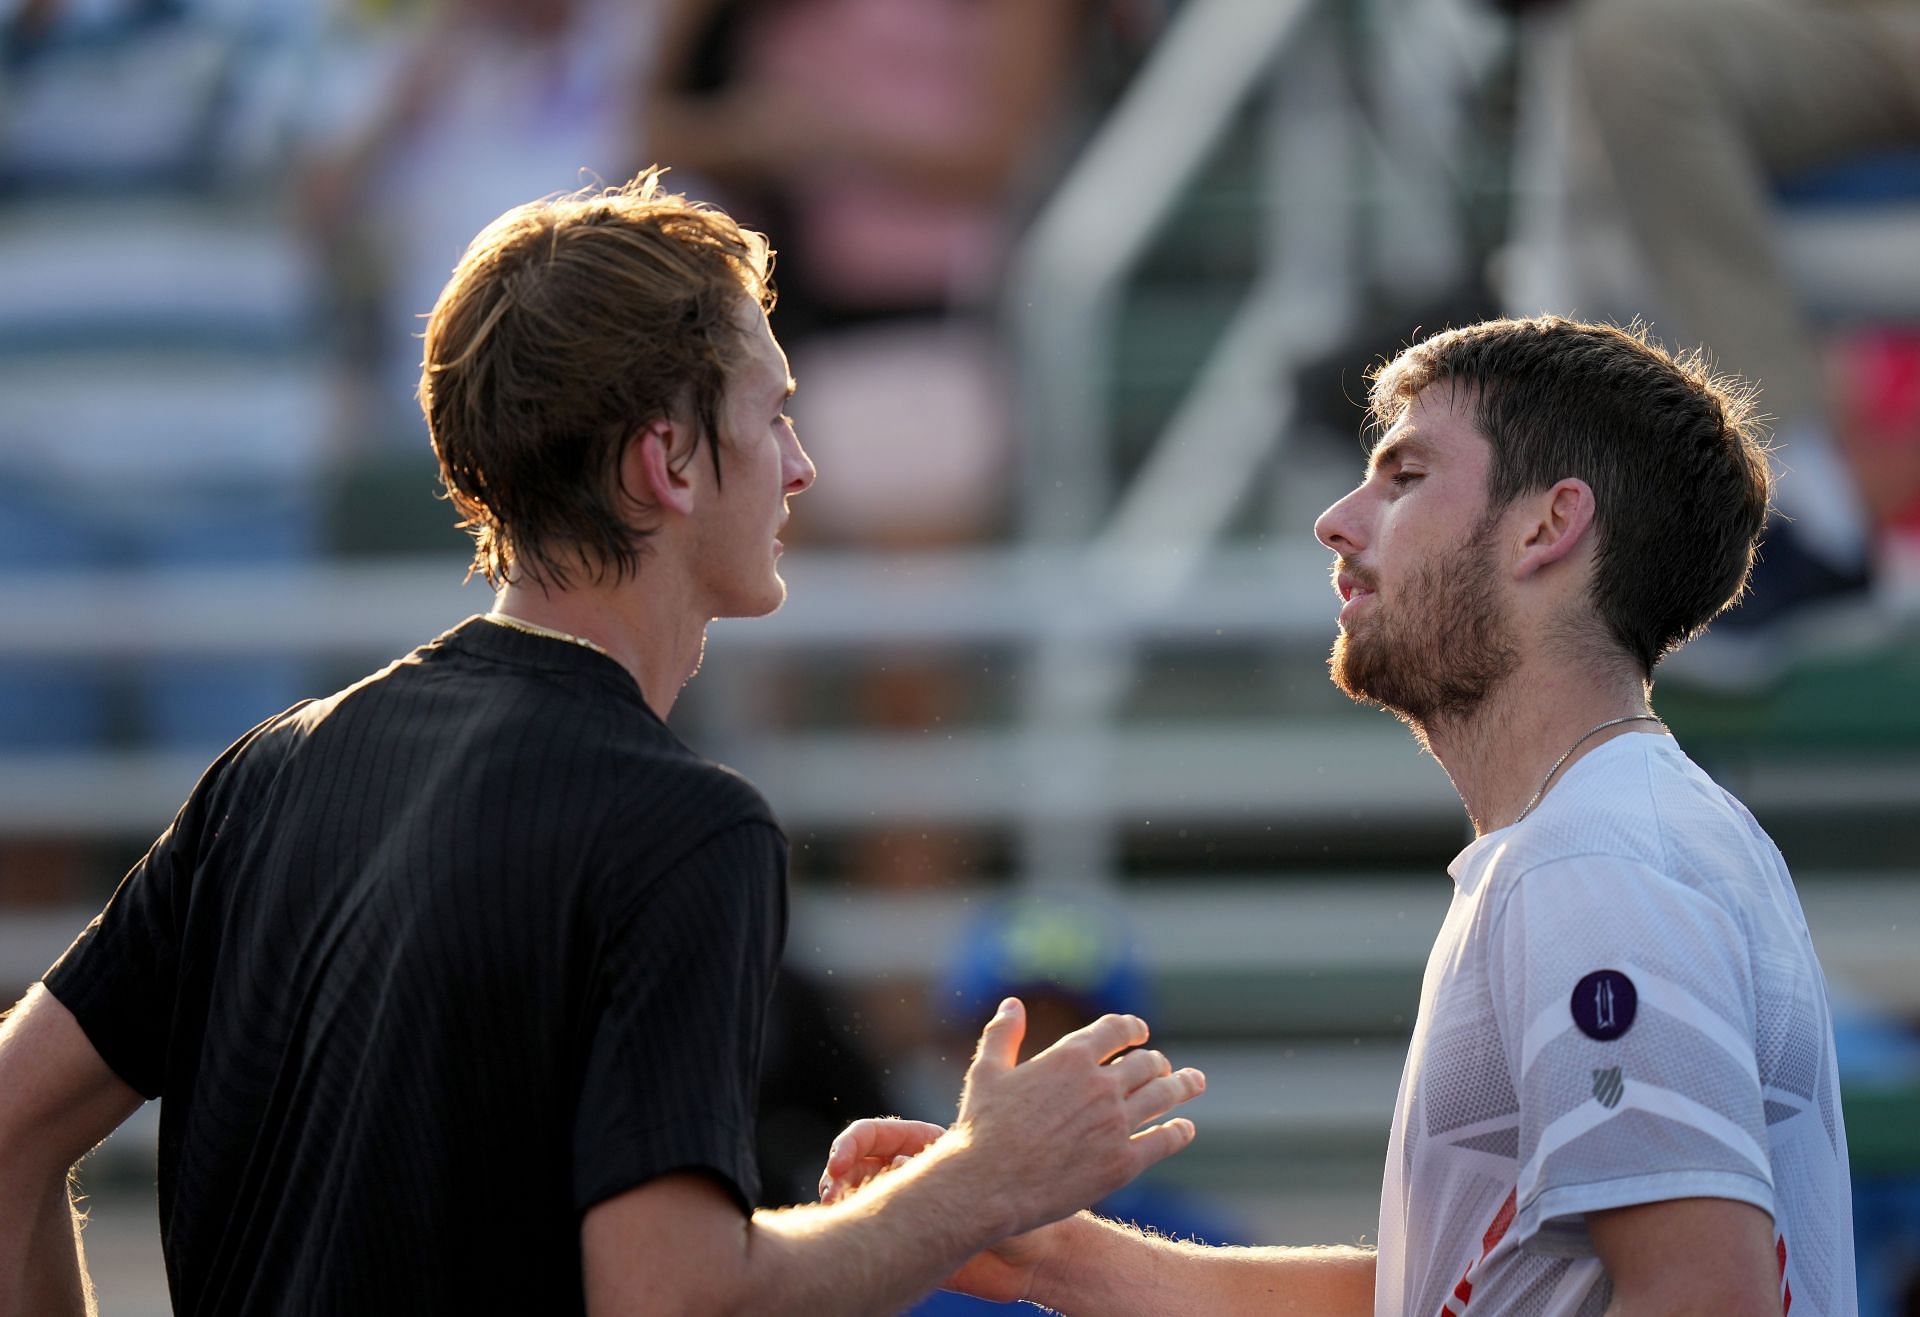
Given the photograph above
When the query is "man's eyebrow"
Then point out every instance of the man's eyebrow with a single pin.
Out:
(781, 396)
(1397, 450)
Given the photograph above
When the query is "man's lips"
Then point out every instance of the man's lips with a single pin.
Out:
(1354, 590)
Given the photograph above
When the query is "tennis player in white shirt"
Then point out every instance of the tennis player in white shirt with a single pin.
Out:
(1621, 1095)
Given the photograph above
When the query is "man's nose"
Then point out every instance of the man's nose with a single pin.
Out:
(797, 467)
(1339, 527)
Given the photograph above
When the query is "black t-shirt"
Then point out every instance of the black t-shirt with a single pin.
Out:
(424, 970)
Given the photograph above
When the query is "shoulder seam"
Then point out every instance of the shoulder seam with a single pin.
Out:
(1653, 807)
(1513, 884)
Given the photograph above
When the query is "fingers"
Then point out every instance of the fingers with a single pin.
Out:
(1152, 1086)
(1000, 1040)
(1162, 1141)
(1061, 1128)
(1161, 1095)
(1136, 1068)
(882, 1138)
(835, 1185)
(1106, 1036)
(865, 1148)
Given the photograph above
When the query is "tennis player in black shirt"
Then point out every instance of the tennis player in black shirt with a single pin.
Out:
(451, 984)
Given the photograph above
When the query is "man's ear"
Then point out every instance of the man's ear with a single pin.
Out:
(648, 473)
(1561, 519)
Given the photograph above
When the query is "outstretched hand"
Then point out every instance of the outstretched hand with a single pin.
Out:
(1054, 1134)
(1002, 1273)
(1060, 1130)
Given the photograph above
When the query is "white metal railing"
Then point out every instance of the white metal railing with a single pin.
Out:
(1066, 277)
(1074, 608)
(1023, 600)
(367, 610)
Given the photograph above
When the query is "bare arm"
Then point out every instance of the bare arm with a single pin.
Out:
(1707, 1256)
(1098, 1266)
(1033, 1142)
(680, 1245)
(1089, 1265)
(57, 1100)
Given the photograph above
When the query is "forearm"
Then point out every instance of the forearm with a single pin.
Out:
(679, 1244)
(874, 1252)
(42, 1269)
(1106, 1268)
(1033, 1139)
(57, 1099)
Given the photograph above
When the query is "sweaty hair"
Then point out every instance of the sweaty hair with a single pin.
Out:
(569, 325)
(1673, 454)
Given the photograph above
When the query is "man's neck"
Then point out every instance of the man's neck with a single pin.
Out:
(643, 624)
(1501, 753)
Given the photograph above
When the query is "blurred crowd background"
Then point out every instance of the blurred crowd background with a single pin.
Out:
(1081, 295)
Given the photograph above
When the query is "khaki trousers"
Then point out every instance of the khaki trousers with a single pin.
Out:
(1698, 105)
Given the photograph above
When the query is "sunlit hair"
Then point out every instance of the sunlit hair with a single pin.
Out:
(1673, 453)
(569, 325)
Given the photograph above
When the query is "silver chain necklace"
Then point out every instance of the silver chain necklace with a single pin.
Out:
(512, 623)
(1579, 741)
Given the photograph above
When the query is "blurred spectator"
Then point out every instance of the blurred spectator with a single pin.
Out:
(483, 105)
(888, 141)
(1700, 109)
(1880, 1056)
(1070, 961)
(1879, 419)
(161, 407)
(890, 144)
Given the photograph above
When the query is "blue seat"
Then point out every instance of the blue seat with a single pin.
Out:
(1881, 179)
(1851, 234)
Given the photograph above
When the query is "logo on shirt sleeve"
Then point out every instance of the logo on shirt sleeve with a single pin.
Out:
(1608, 1086)
(1604, 1004)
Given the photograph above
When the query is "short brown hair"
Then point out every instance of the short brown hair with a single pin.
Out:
(1673, 453)
(569, 325)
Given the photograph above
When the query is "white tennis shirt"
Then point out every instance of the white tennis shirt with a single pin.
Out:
(1622, 1007)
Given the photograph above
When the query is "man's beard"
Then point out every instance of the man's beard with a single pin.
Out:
(1446, 647)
